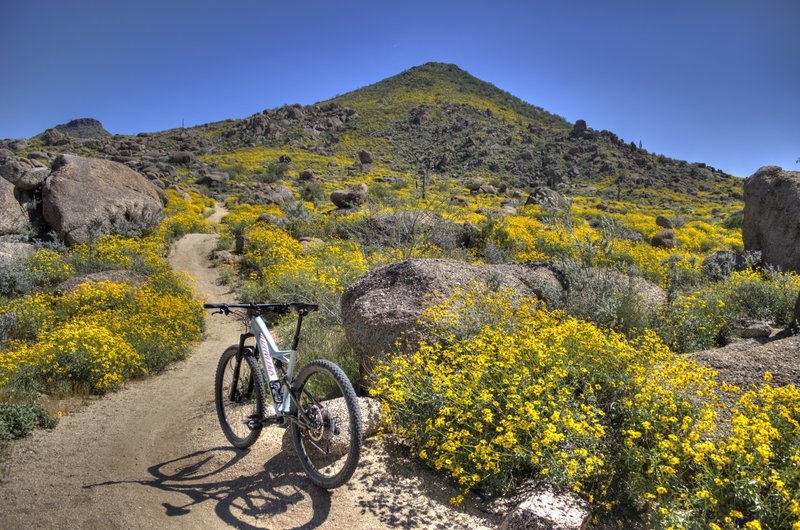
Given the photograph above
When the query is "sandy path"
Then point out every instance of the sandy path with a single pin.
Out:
(152, 455)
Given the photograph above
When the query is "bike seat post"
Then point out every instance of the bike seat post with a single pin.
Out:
(296, 340)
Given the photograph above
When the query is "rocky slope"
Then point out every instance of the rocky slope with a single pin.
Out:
(434, 117)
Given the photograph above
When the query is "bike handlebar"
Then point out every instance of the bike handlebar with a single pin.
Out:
(274, 307)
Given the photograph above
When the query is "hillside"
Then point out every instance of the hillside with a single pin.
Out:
(439, 118)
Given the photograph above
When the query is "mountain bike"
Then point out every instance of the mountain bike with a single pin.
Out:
(318, 404)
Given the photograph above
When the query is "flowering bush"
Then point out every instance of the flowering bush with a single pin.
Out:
(515, 390)
(184, 214)
(99, 334)
(701, 319)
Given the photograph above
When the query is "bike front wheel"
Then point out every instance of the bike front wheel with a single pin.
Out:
(327, 430)
(239, 397)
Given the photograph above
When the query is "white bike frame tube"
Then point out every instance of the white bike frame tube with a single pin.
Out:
(269, 351)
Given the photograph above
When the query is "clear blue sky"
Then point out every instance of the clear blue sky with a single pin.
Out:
(701, 80)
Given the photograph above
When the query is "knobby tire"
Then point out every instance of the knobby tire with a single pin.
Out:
(248, 402)
(330, 449)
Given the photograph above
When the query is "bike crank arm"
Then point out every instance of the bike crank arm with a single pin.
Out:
(254, 422)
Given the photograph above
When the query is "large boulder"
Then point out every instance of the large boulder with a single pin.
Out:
(365, 157)
(664, 239)
(16, 250)
(350, 197)
(772, 216)
(663, 221)
(547, 198)
(213, 179)
(381, 309)
(274, 194)
(182, 158)
(83, 197)
(13, 217)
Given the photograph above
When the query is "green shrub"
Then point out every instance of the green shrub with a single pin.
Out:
(273, 172)
(695, 321)
(313, 191)
(770, 296)
(608, 298)
(734, 221)
(15, 278)
(19, 419)
(235, 170)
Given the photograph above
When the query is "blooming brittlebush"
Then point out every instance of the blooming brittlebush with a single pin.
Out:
(99, 334)
(512, 390)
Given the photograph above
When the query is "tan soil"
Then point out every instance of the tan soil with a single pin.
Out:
(744, 362)
(152, 456)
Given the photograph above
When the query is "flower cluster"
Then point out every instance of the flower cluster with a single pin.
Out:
(99, 334)
(511, 389)
(184, 213)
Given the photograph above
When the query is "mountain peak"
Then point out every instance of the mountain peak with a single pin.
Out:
(435, 84)
(83, 128)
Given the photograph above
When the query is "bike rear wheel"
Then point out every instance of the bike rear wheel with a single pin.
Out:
(239, 397)
(327, 433)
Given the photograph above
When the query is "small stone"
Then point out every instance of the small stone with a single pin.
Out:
(751, 329)
(546, 509)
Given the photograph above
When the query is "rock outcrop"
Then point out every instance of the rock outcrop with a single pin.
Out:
(89, 196)
(83, 128)
(351, 197)
(24, 173)
(13, 217)
(772, 216)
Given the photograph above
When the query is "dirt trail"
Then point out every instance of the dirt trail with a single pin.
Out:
(152, 455)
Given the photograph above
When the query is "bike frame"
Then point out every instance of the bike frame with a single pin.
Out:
(269, 353)
(270, 356)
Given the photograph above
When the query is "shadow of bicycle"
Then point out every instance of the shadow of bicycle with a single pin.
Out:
(240, 501)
